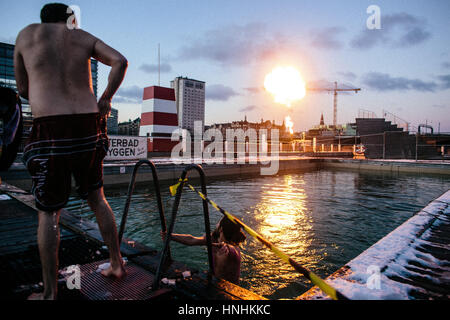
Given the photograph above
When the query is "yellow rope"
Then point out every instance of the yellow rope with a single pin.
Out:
(329, 290)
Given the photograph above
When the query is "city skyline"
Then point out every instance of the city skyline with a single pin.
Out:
(403, 68)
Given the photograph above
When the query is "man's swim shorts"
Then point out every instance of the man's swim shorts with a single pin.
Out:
(59, 147)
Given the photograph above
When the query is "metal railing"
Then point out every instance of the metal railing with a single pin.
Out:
(130, 193)
(176, 204)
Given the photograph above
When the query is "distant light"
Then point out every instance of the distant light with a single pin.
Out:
(289, 124)
(285, 84)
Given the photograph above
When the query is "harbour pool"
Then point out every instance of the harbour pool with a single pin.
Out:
(322, 218)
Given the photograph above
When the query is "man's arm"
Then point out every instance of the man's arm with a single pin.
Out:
(118, 63)
(20, 72)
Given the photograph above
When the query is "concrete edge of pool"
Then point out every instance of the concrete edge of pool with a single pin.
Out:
(411, 262)
(119, 173)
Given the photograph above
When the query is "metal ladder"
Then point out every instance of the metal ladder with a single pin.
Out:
(130, 193)
(176, 204)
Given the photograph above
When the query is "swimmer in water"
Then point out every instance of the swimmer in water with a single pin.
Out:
(226, 239)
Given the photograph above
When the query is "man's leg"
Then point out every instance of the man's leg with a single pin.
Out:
(108, 229)
(48, 243)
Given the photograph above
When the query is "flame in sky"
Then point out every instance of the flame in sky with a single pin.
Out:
(285, 84)
(289, 124)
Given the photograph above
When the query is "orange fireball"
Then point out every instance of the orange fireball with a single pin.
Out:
(285, 84)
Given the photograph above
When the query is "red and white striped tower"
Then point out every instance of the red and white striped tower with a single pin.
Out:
(159, 118)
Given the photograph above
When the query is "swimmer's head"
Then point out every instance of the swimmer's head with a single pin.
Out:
(230, 232)
(55, 13)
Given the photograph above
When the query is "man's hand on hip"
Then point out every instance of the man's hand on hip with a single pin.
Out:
(104, 106)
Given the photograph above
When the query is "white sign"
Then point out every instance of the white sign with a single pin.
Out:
(127, 148)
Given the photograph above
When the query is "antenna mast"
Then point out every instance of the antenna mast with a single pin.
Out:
(159, 64)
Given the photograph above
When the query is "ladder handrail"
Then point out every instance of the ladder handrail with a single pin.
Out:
(130, 193)
(172, 223)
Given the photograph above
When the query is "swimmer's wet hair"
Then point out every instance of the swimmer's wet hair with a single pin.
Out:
(231, 231)
(54, 13)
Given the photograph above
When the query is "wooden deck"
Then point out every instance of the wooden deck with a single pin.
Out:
(81, 244)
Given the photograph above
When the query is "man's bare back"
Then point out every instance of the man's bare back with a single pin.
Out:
(69, 136)
(53, 69)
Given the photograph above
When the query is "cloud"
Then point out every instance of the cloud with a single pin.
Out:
(132, 94)
(399, 30)
(219, 92)
(368, 39)
(153, 68)
(439, 106)
(327, 38)
(385, 82)
(445, 81)
(412, 37)
(248, 108)
(445, 65)
(254, 90)
(320, 84)
(348, 75)
(232, 45)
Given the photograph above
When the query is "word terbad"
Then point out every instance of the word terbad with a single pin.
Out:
(126, 148)
(124, 142)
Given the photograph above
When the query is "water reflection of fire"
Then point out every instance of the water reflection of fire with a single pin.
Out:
(282, 217)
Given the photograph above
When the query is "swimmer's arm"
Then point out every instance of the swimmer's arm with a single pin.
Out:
(189, 240)
(118, 63)
(186, 239)
(20, 71)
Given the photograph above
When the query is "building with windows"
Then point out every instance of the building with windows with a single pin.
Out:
(129, 128)
(257, 126)
(7, 65)
(113, 122)
(94, 74)
(190, 101)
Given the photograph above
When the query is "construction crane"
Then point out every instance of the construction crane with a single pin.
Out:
(335, 90)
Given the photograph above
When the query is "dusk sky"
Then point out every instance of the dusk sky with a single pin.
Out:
(403, 68)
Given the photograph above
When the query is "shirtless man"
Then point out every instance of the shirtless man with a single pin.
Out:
(52, 69)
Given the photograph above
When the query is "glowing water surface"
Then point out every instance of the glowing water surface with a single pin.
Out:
(322, 219)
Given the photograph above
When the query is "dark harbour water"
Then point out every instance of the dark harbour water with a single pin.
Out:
(323, 219)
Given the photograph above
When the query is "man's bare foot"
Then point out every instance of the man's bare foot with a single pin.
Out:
(118, 272)
(38, 296)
